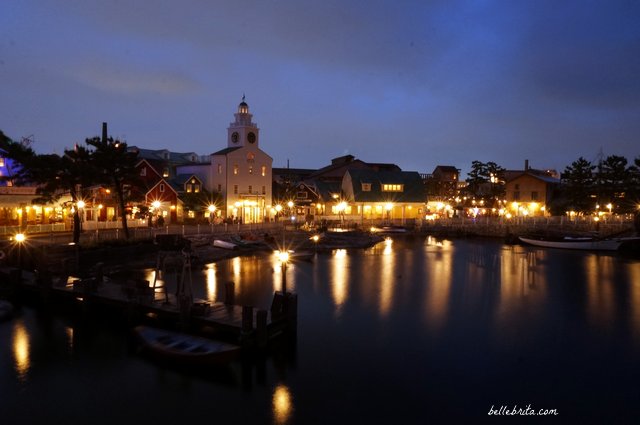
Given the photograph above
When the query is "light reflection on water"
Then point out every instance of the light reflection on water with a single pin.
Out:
(21, 350)
(387, 281)
(340, 279)
(599, 275)
(438, 271)
(465, 324)
(282, 405)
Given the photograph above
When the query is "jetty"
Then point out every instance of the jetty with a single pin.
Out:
(136, 300)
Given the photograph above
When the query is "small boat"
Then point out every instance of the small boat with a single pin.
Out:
(301, 255)
(184, 347)
(580, 243)
(6, 310)
(219, 243)
(389, 229)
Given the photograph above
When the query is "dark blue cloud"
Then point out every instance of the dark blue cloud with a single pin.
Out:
(412, 82)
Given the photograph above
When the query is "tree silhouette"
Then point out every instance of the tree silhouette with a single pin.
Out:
(116, 167)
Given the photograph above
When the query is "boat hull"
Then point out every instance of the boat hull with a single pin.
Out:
(184, 348)
(577, 244)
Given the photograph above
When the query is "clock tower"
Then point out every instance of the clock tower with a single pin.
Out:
(243, 132)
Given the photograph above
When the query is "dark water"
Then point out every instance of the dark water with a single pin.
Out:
(412, 332)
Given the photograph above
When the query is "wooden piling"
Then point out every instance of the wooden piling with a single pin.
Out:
(229, 293)
(247, 319)
(262, 336)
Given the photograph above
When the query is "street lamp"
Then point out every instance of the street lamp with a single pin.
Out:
(283, 256)
(212, 209)
(20, 239)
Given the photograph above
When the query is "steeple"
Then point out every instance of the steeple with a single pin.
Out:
(242, 132)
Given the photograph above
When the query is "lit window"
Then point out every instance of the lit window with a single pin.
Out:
(392, 187)
(188, 188)
(366, 187)
(196, 188)
(191, 214)
(250, 169)
(165, 172)
(264, 170)
(235, 168)
(219, 168)
(1, 161)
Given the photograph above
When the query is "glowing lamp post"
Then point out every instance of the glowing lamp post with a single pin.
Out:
(20, 239)
(212, 209)
(283, 256)
(278, 209)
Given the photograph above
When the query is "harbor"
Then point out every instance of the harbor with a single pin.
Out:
(435, 320)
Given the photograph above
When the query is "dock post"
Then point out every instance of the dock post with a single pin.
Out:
(99, 273)
(229, 293)
(247, 318)
(262, 335)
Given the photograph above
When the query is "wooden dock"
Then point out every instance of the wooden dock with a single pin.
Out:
(139, 301)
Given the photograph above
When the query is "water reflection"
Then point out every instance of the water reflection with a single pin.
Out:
(634, 301)
(212, 283)
(69, 333)
(520, 272)
(281, 404)
(438, 273)
(339, 281)
(21, 350)
(386, 277)
(599, 272)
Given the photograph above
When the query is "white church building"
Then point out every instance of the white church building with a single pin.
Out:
(240, 173)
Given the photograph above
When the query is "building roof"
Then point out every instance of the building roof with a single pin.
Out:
(413, 188)
(446, 168)
(226, 151)
(166, 155)
(543, 177)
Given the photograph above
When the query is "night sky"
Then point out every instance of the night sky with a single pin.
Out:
(415, 83)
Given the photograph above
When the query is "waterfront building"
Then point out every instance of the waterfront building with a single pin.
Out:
(382, 195)
(529, 191)
(240, 175)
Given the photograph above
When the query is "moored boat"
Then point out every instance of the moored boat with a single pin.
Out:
(389, 229)
(184, 347)
(219, 243)
(301, 255)
(580, 243)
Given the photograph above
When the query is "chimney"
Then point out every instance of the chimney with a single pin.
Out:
(104, 132)
(526, 165)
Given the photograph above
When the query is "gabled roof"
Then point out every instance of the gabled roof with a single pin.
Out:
(181, 179)
(152, 166)
(226, 151)
(166, 183)
(446, 169)
(166, 155)
(324, 189)
(413, 188)
(542, 177)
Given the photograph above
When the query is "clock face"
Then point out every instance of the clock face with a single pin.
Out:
(234, 137)
(251, 137)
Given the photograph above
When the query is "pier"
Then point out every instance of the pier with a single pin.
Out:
(137, 300)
